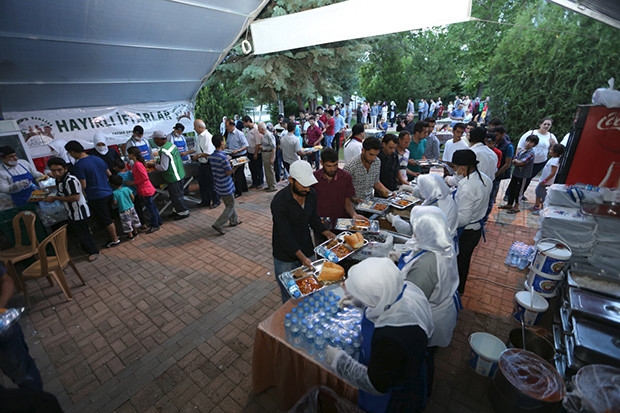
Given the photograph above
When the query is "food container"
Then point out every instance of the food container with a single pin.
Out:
(338, 246)
(404, 200)
(533, 342)
(595, 389)
(525, 383)
(529, 307)
(591, 279)
(593, 343)
(544, 284)
(350, 224)
(239, 161)
(305, 277)
(374, 205)
(551, 256)
(485, 351)
(594, 306)
(39, 195)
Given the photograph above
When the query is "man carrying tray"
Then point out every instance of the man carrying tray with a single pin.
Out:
(294, 209)
(334, 191)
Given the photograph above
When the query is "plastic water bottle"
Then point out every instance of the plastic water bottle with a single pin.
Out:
(295, 334)
(337, 342)
(287, 326)
(328, 254)
(290, 284)
(357, 343)
(515, 257)
(309, 340)
(319, 346)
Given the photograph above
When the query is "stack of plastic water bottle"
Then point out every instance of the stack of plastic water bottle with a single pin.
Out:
(317, 322)
(519, 255)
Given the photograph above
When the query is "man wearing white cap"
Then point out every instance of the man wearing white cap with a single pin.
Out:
(293, 209)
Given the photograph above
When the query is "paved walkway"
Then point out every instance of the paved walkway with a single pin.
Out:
(166, 322)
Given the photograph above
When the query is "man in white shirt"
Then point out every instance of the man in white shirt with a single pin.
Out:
(453, 145)
(204, 148)
(472, 198)
(487, 159)
(353, 147)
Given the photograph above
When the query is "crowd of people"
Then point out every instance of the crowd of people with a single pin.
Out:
(411, 301)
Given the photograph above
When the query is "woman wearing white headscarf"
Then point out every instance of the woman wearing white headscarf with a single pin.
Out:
(431, 265)
(57, 146)
(435, 192)
(395, 328)
(110, 157)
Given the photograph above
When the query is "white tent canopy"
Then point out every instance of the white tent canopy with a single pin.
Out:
(85, 53)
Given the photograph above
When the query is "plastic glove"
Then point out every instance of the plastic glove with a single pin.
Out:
(406, 188)
(352, 370)
(331, 354)
(349, 301)
(19, 185)
(389, 217)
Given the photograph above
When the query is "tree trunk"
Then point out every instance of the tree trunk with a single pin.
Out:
(280, 107)
(479, 91)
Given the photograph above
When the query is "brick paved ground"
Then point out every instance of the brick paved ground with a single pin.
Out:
(166, 322)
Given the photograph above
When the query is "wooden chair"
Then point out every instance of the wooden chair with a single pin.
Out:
(52, 265)
(20, 251)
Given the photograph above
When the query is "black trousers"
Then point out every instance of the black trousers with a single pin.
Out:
(467, 243)
(256, 169)
(205, 182)
(82, 233)
(241, 185)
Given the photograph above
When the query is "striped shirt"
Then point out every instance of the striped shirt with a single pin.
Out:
(70, 185)
(222, 182)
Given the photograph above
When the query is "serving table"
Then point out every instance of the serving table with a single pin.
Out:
(275, 362)
(157, 179)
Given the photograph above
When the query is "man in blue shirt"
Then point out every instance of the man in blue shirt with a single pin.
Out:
(339, 129)
(237, 143)
(93, 174)
(223, 184)
(457, 115)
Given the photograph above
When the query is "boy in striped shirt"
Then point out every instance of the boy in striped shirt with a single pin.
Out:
(69, 192)
(223, 184)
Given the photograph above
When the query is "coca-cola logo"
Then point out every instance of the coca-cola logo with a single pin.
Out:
(609, 121)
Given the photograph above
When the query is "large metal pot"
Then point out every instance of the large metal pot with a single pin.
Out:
(525, 383)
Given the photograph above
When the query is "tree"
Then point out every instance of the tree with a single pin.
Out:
(217, 99)
(298, 75)
(548, 63)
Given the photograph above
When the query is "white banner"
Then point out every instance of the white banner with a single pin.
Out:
(116, 123)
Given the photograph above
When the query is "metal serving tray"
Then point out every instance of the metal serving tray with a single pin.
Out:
(339, 243)
(594, 306)
(374, 205)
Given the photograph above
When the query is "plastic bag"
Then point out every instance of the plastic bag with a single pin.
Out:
(376, 248)
(323, 399)
(607, 97)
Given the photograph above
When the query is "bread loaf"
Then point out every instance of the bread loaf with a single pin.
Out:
(355, 240)
(331, 272)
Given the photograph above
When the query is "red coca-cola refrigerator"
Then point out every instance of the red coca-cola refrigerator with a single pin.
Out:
(593, 145)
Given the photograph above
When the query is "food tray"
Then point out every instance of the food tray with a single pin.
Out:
(339, 246)
(428, 162)
(404, 200)
(239, 161)
(304, 275)
(374, 205)
(350, 224)
(38, 195)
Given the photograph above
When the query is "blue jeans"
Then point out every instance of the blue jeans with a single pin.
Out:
(151, 209)
(15, 361)
(279, 268)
